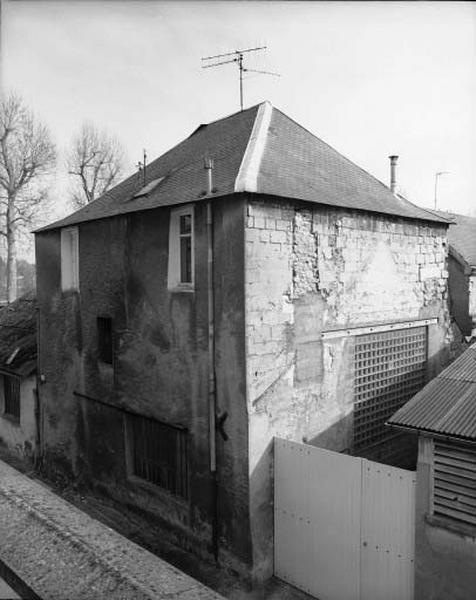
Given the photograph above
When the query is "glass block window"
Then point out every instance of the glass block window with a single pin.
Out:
(159, 453)
(454, 481)
(390, 368)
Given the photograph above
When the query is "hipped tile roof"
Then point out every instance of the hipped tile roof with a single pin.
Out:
(446, 405)
(462, 235)
(259, 150)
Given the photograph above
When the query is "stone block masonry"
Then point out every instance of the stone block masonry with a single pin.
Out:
(60, 552)
(311, 268)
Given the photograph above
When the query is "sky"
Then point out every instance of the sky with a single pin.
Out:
(370, 78)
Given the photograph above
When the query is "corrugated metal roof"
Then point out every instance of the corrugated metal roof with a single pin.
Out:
(294, 164)
(446, 405)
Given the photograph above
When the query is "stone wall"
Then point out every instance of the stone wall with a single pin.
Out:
(311, 269)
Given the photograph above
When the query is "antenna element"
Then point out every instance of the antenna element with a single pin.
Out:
(236, 57)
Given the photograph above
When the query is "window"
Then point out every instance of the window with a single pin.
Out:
(454, 481)
(105, 340)
(158, 453)
(390, 367)
(69, 259)
(11, 395)
(181, 251)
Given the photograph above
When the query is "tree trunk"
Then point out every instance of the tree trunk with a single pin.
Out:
(11, 261)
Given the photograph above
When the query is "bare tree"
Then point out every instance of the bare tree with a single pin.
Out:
(96, 161)
(27, 153)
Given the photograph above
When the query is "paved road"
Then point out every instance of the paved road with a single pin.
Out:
(6, 592)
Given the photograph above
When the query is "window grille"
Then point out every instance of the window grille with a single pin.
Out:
(11, 392)
(159, 454)
(454, 481)
(105, 343)
(390, 367)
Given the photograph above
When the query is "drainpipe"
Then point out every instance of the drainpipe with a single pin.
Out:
(38, 412)
(393, 173)
(212, 401)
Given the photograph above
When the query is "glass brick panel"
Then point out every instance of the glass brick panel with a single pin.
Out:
(390, 368)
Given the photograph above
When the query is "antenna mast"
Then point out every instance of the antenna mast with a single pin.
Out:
(236, 57)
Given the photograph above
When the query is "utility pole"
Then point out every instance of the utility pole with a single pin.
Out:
(437, 175)
(235, 57)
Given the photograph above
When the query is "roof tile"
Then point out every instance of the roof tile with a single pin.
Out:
(293, 164)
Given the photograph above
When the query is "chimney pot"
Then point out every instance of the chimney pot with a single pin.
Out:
(393, 173)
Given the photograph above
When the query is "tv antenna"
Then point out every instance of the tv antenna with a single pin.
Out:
(142, 166)
(236, 57)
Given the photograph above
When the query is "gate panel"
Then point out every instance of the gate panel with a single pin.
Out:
(317, 520)
(388, 532)
(344, 526)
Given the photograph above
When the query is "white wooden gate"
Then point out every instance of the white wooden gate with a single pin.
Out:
(344, 526)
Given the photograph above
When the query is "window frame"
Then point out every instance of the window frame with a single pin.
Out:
(15, 386)
(70, 259)
(174, 277)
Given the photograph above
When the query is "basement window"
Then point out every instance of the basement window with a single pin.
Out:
(105, 340)
(70, 259)
(181, 249)
(454, 482)
(158, 453)
(389, 368)
(11, 397)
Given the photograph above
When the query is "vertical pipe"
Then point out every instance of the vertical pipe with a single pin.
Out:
(393, 173)
(212, 408)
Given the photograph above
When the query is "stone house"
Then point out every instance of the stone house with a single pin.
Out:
(462, 271)
(443, 414)
(18, 423)
(252, 283)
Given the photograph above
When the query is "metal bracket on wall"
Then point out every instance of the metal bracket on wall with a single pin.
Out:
(352, 331)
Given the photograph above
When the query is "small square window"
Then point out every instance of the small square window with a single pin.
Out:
(181, 250)
(11, 395)
(105, 340)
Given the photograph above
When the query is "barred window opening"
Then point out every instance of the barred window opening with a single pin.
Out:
(11, 393)
(159, 454)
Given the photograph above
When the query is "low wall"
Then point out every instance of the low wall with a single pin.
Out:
(60, 552)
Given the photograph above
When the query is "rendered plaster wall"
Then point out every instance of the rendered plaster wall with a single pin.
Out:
(160, 368)
(20, 436)
(444, 558)
(310, 269)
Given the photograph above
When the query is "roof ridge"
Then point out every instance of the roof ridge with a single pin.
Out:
(247, 177)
